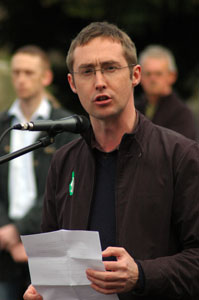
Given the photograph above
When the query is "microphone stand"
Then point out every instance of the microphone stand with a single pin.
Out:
(43, 142)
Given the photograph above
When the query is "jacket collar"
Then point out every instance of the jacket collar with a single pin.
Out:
(139, 134)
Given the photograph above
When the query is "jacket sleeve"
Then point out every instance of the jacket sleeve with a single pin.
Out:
(49, 215)
(31, 222)
(4, 218)
(177, 276)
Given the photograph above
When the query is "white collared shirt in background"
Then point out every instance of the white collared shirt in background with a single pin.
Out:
(22, 188)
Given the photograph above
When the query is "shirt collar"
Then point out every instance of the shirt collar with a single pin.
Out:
(42, 112)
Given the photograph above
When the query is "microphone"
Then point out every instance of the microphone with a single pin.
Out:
(74, 123)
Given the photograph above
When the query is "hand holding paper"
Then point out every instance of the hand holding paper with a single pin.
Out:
(120, 276)
(58, 261)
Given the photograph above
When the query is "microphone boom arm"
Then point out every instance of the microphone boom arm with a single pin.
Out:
(42, 142)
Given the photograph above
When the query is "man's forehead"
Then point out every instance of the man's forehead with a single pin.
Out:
(101, 49)
(151, 60)
(26, 62)
(25, 57)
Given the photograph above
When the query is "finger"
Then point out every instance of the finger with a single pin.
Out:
(107, 283)
(31, 294)
(108, 276)
(106, 288)
(3, 244)
(103, 291)
(114, 251)
(112, 265)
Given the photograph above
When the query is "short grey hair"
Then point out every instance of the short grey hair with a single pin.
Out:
(158, 51)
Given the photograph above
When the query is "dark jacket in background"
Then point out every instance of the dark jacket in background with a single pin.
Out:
(171, 113)
(31, 222)
(157, 204)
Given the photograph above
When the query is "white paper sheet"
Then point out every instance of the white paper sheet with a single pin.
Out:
(58, 261)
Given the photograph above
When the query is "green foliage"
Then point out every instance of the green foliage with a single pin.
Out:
(6, 89)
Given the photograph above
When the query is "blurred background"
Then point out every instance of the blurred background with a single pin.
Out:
(52, 24)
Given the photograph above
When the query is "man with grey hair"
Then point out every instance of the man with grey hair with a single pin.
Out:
(158, 101)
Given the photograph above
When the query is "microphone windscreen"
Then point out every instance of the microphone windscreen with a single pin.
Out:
(83, 124)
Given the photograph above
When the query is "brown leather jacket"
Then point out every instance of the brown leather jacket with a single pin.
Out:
(157, 204)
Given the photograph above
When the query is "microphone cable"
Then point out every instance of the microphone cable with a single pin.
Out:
(4, 133)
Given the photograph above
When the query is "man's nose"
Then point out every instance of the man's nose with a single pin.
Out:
(100, 82)
(20, 77)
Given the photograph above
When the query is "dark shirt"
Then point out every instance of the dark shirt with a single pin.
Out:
(102, 215)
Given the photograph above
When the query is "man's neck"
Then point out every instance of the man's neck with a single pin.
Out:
(109, 133)
(154, 98)
(29, 106)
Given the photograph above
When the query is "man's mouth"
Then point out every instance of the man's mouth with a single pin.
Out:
(102, 98)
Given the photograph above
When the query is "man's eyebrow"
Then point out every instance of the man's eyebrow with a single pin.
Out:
(110, 62)
(91, 65)
(86, 66)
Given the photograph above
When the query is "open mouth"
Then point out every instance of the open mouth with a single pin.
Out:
(102, 98)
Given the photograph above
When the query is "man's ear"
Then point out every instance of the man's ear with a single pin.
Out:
(72, 83)
(136, 77)
(172, 77)
(47, 78)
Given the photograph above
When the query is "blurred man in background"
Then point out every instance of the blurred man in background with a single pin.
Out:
(23, 179)
(159, 102)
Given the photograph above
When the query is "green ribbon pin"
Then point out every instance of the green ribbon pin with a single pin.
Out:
(72, 184)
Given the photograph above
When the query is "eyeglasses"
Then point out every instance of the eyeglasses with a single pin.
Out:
(88, 72)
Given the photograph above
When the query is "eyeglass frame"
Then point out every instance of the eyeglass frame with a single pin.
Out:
(93, 72)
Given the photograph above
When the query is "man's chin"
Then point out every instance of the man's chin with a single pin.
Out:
(24, 97)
